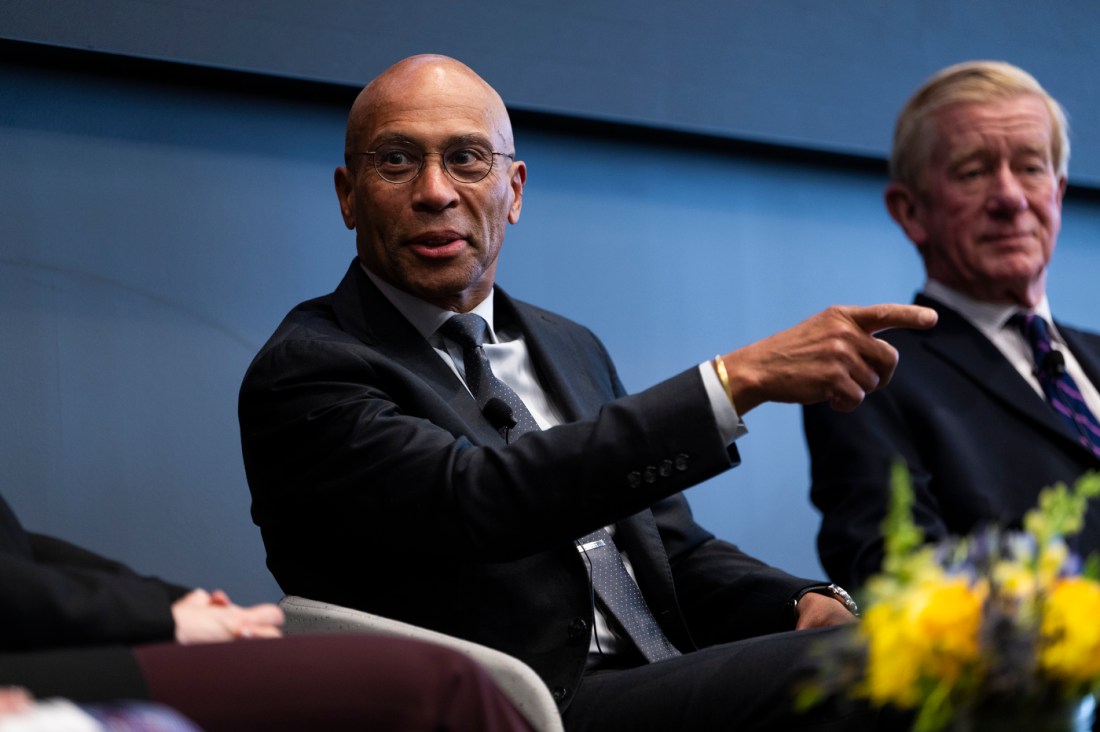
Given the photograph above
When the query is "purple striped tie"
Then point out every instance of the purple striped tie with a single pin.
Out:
(1060, 388)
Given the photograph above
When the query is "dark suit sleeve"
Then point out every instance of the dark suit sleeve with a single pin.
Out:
(851, 456)
(61, 595)
(339, 435)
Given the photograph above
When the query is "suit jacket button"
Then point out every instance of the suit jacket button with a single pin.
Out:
(666, 468)
(559, 693)
(681, 463)
(634, 479)
(578, 630)
(650, 474)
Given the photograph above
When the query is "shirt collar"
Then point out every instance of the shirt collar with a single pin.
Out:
(988, 317)
(424, 316)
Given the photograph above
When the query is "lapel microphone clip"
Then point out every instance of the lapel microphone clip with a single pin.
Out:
(500, 415)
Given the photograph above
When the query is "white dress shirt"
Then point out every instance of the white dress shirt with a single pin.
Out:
(992, 320)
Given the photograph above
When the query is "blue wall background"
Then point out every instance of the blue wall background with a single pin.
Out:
(814, 74)
(155, 226)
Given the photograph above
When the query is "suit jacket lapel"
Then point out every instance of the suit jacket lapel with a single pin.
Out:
(554, 358)
(368, 315)
(1088, 357)
(958, 342)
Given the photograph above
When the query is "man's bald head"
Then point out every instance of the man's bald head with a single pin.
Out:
(435, 233)
(432, 75)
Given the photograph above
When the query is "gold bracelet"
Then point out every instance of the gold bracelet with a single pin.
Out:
(720, 367)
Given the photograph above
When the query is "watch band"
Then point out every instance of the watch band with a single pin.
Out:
(834, 591)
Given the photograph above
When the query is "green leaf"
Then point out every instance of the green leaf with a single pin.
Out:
(900, 535)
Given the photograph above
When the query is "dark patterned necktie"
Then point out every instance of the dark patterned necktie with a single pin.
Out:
(616, 590)
(622, 598)
(514, 419)
(1060, 388)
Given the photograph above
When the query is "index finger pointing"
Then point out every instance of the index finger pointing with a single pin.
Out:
(875, 318)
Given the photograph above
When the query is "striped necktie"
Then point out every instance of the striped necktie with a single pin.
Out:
(615, 589)
(1060, 388)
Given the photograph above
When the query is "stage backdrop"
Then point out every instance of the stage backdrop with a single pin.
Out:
(157, 220)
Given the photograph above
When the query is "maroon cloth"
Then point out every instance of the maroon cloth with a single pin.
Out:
(330, 682)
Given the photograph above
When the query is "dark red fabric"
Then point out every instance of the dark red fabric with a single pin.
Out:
(330, 682)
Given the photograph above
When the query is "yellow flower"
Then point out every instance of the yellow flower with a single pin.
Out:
(947, 616)
(929, 631)
(894, 656)
(1071, 651)
(929, 611)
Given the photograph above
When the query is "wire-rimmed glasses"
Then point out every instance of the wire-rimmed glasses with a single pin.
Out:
(465, 162)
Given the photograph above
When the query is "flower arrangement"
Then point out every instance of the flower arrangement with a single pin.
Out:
(999, 630)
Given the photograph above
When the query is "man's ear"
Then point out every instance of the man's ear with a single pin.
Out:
(519, 178)
(905, 208)
(345, 193)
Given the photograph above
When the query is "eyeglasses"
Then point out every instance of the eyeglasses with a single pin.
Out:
(464, 162)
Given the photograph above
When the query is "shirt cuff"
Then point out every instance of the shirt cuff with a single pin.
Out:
(730, 425)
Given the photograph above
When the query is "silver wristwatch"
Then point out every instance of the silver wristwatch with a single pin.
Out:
(835, 591)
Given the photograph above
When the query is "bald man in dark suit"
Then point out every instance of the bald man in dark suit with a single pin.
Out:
(384, 478)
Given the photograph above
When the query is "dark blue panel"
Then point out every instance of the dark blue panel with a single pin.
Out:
(805, 73)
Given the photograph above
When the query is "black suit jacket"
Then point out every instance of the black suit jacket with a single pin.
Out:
(377, 483)
(979, 441)
(54, 594)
